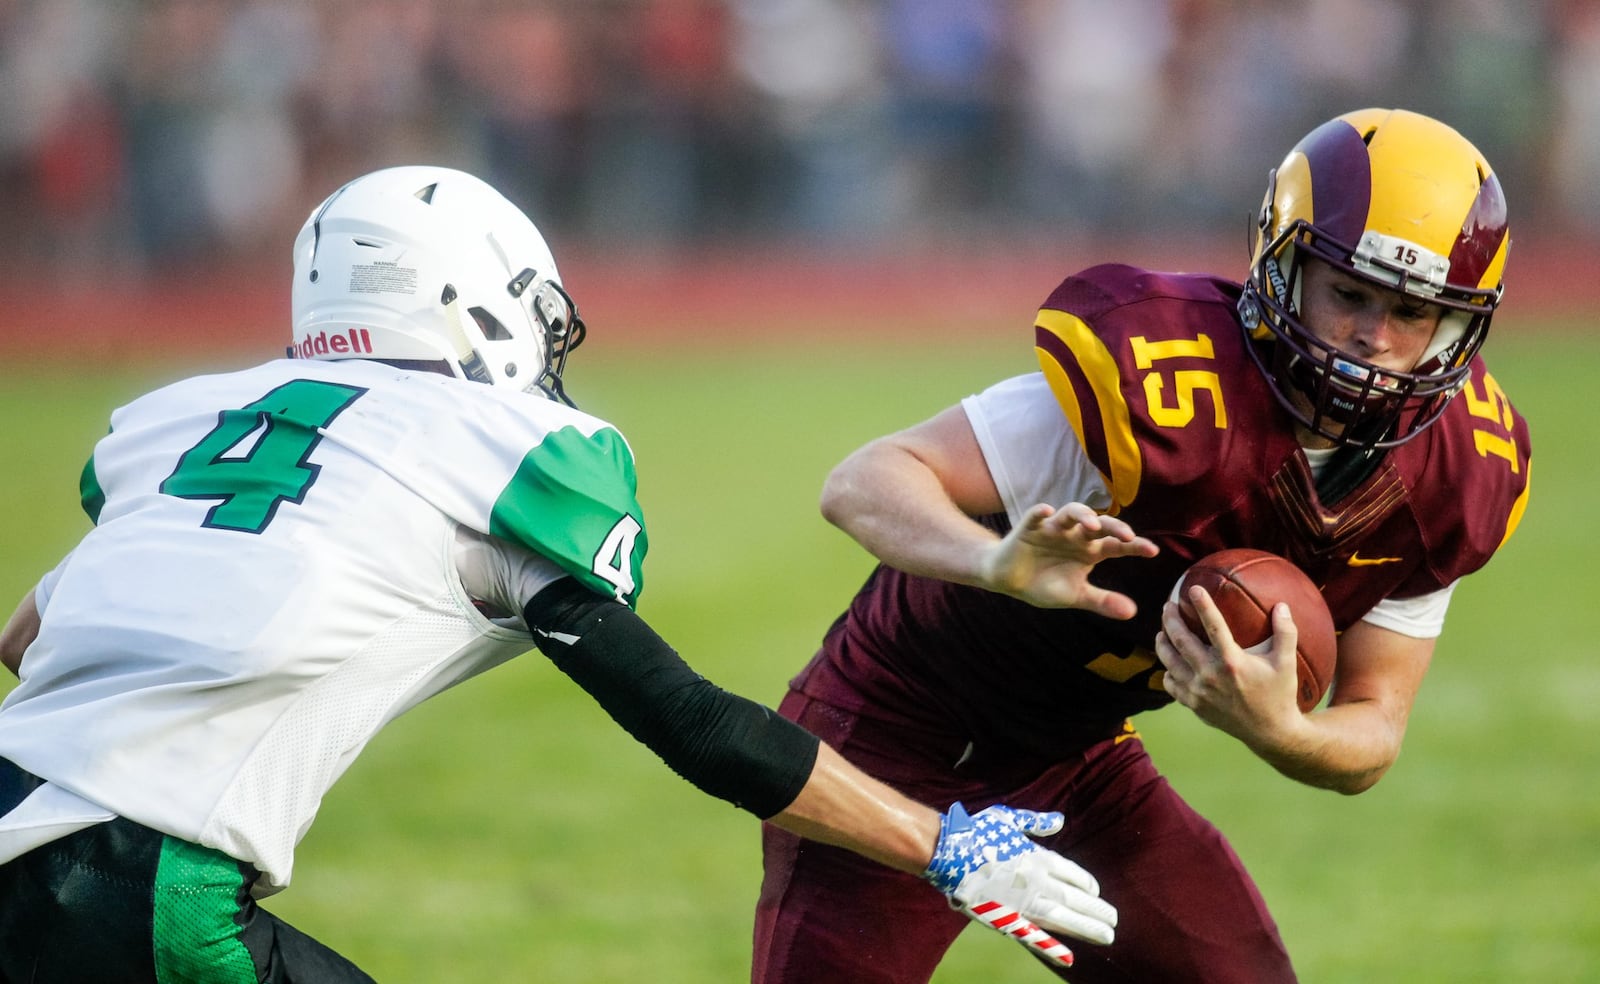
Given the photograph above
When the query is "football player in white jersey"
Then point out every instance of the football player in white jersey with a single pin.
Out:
(285, 558)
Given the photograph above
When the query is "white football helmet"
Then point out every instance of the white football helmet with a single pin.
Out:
(429, 267)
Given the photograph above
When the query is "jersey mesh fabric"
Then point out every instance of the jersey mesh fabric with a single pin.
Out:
(268, 807)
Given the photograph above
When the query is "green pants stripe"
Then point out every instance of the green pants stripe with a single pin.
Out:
(194, 932)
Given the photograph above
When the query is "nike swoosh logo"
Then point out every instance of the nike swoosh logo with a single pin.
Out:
(1356, 560)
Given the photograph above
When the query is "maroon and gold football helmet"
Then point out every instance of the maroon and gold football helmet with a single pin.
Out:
(1401, 201)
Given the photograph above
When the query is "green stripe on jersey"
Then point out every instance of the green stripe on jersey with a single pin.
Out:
(573, 501)
(194, 935)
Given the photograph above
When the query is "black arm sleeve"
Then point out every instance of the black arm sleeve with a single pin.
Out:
(729, 747)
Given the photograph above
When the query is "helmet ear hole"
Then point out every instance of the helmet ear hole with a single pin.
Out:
(491, 327)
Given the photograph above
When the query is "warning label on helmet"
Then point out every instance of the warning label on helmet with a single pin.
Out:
(383, 278)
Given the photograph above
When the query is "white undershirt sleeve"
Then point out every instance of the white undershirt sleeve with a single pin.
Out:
(1032, 454)
(502, 575)
(1419, 618)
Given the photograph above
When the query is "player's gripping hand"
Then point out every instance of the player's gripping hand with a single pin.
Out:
(990, 869)
(1047, 557)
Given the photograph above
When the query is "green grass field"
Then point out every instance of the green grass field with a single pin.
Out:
(507, 831)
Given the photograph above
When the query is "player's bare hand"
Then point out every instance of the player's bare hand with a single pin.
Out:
(1248, 693)
(1046, 559)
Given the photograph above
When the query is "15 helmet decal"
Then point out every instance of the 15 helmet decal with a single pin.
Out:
(1401, 201)
(431, 266)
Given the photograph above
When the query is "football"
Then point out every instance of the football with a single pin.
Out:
(1246, 584)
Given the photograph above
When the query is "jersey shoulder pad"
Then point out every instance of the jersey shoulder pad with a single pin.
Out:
(1481, 458)
(1147, 368)
(529, 470)
(573, 498)
(1093, 293)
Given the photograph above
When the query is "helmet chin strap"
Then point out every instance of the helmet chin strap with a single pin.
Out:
(1452, 327)
(1280, 283)
(466, 356)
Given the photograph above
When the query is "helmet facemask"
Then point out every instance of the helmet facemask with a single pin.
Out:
(564, 331)
(1344, 398)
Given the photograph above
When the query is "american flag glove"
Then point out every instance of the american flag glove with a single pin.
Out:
(990, 869)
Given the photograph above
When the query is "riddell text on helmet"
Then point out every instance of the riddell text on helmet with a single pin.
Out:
(356, 341)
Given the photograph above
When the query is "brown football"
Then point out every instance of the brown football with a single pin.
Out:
(1246, 584)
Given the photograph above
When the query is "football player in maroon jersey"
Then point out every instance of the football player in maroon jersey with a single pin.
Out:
(1333, 409)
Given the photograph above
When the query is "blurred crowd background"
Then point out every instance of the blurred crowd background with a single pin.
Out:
(142, 135)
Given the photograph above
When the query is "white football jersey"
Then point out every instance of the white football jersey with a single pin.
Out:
(272, 578)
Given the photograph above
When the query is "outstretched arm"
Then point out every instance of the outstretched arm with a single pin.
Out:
(742, 752)
(841, 805)
(910, 498)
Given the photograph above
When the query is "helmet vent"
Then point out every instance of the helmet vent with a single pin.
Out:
(425, 195)
(491, 327)
(367, 243)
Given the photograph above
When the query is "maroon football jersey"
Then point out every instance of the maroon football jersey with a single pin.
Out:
(1152, 374)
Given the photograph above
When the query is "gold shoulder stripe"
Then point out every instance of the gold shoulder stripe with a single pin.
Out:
(1105, 428)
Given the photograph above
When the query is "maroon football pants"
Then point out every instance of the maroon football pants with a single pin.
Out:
(1187, 909)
